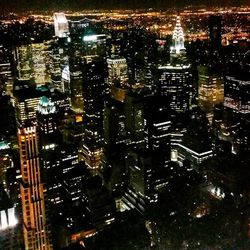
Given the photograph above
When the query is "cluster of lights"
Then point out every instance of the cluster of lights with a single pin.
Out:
(8, 219)
(178, 37)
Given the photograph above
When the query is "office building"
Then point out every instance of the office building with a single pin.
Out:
(237, 95)
(6, 70)
(6, 162)
(47, 118)
(32, 61)
(175, 79)
(35, 225)
(196, 145)
(61, 25)
(26, 101)
(40, 61)
(117, 71)
(175, 82)
(93, 93)
(210, 89)
(23, 58)
(85, 45)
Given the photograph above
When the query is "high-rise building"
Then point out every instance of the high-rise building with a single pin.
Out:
(48, 123)
(196, 145)
(49, 146)
(88, 81)
(134, 121)
(85, 45)
(175, 79)
(6, 73)
(117, 71)
(237, 105)
(215, 29)
(93, 92)
(237, 95)
(178, 38)
(61, 25)
(210, 89)
(31, 63)
(35, 226)
(23, 57)
(175, 82)
(40, 59)
(6, 162)
(26, 101)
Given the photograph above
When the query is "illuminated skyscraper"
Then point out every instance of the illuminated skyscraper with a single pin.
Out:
(88, 81)
(178, 38)
(93, 94)
(23, 58)
(39, 62)
(50, 140)
(35, 227)
(175, 79)
(26, 101)
(47, 123)
(85, 45)
(210, 89)
(6, 162)
(237, 104)
(31, 63)
(175, 82)
(237, 95)
(117, 71)
(61, 25)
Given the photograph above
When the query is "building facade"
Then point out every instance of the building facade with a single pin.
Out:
(35, 226)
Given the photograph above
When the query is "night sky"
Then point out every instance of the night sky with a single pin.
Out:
(109, 4)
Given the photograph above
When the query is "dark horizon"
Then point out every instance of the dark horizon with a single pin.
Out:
(43, 5)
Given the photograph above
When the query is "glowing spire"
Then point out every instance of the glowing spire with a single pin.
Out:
(178, 37)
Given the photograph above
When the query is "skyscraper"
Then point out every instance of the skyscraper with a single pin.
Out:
(178, 38)
(86, 44)
(93, 93)
(117, 71)
(35, 226)
(88, 80)
(26, 101)
(61, 25)
(175, 82)
(215, 30)
(175, 78)
(49, 146)
(31, 62)
(48, 124)
(210, 89)
(237, 94)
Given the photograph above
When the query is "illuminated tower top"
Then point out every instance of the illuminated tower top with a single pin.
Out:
(178, 37)
(46, 106)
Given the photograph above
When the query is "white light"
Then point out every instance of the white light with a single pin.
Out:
(90, 38)
(4, 223)
(12, 219)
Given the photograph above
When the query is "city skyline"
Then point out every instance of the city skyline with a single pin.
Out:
(25, 5)
(124, 129)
